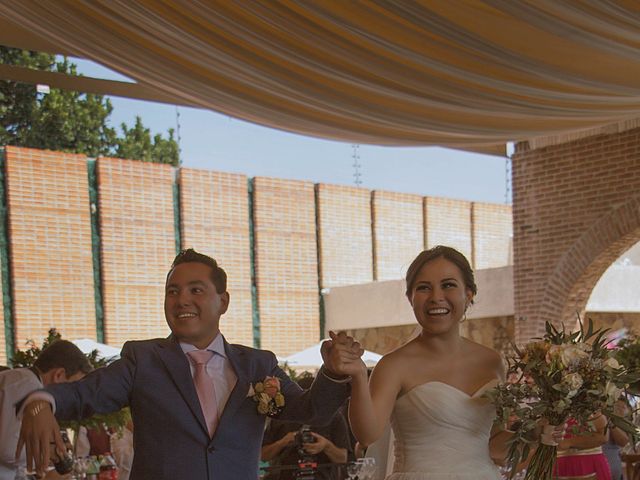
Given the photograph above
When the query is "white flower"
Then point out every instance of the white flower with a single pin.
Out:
(264, 398)
(569, 354)
(613, 392)
(612, 363)
(574, 382)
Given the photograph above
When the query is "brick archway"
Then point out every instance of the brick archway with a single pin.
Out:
(570, 284)
(576, 208)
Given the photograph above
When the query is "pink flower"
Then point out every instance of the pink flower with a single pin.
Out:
(271, 386)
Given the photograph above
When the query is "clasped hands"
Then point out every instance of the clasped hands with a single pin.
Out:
(342, 356)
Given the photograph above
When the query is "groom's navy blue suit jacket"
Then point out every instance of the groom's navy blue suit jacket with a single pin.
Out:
(171, 441)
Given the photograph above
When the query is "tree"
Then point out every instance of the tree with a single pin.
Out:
(70, 121)
(136, 143)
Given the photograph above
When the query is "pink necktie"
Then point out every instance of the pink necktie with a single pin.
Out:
(204, 387)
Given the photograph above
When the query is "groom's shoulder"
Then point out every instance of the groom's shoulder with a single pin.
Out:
(148, 344)
(256, 353)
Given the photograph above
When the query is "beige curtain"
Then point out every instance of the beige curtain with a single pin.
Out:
(458, 73)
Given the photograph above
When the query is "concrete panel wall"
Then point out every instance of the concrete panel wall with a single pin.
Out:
(448, 222)
(50, 241)
(138, 245)
(344, 234)
(492, 233)
(215, 221)
(398, 232)
(286, 264)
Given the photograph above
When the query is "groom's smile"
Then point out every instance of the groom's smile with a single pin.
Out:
(193, 305)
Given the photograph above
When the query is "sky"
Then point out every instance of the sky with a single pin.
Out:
(212, 141)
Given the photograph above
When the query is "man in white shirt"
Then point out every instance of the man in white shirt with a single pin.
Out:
(60, 362)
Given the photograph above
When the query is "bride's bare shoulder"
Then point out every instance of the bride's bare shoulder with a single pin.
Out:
(399, 355)
(484, 354)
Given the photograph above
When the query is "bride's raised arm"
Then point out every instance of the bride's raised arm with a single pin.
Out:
(372, 402)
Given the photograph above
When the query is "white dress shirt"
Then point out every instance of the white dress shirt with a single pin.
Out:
(219, 369)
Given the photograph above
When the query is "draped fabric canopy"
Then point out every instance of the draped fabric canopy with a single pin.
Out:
(468, 74)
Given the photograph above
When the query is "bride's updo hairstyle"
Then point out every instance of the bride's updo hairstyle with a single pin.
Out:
(451, 254)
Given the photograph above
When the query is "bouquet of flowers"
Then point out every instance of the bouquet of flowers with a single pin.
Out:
(628, 354)
(560, 376)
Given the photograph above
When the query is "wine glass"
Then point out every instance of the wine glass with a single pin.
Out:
(80, 468)
(353, 469)
(368, 467)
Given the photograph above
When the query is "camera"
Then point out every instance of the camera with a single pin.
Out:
(307, 462)
(64, 465)
(303, 436)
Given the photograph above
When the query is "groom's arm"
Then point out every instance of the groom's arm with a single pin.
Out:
(104, 390)
(330, 389)
(315, 406)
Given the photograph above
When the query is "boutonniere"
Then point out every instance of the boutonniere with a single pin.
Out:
(268, 397)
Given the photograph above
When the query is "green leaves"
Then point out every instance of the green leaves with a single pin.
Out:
(136, 144)
(70, 121)
(560, 376)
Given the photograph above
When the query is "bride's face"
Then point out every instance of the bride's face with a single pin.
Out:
(439, 296)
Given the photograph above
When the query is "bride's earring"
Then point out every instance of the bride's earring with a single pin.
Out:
(464, 316)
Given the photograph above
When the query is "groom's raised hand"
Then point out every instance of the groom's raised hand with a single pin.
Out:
(342, 355)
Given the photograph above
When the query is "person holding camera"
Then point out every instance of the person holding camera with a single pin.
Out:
(313, 451)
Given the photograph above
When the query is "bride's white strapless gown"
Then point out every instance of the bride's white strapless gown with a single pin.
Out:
(442, 433)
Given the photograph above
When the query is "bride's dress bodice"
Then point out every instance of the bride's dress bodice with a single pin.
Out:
(442, 433)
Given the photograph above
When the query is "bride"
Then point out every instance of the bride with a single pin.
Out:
(431, 388)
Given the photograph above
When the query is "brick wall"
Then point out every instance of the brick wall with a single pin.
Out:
(137, 246)
(492, 231)
(286, 264)
(344, 235)
(576, 209)
(3, 338)
(50, 242)
(398, 232)
(616, 320)
(448, 222)
(215, 221)
(49, 212)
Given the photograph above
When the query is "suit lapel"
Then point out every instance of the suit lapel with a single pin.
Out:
(240, 364)
(177, 365)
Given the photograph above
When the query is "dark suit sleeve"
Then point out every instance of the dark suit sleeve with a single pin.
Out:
(104, 390)
(339, 432)
(315, 406)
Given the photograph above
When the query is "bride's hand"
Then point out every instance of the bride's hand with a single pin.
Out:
(342, 355)
(552, 436)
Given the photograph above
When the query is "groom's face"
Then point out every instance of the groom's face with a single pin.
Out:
(192, 305)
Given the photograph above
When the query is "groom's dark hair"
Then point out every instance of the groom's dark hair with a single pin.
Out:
(218, 275)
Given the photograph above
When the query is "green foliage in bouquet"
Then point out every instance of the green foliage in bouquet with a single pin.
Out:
(628, 354)
(559, 376)
(115, 420)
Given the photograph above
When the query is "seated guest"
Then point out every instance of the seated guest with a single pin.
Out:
(60, 362)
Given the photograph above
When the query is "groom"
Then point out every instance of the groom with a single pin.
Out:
(189, 394)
